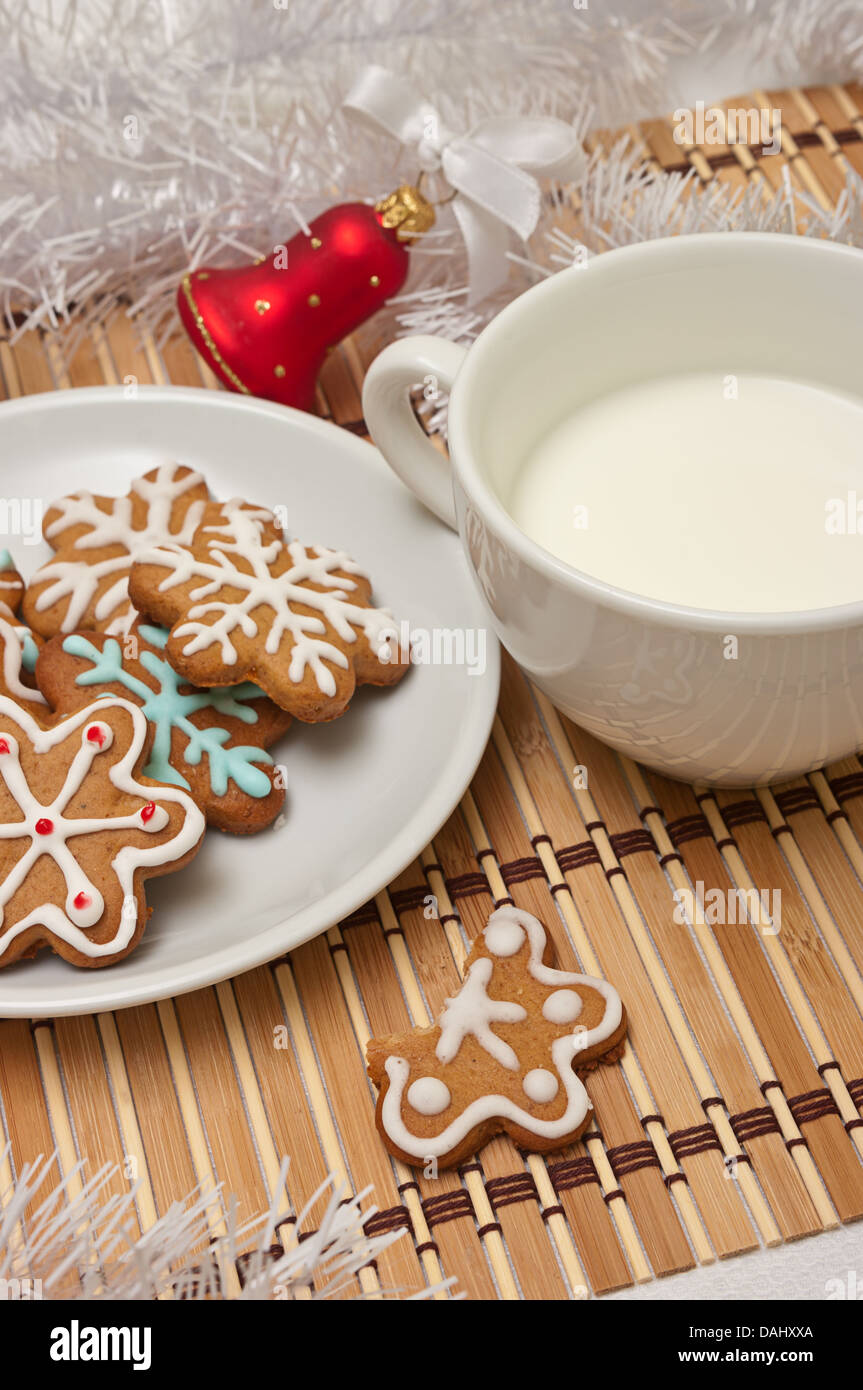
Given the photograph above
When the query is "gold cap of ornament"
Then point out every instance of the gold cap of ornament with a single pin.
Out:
(407, 211)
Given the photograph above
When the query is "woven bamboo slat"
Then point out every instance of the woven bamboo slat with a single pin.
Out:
(733, 1118)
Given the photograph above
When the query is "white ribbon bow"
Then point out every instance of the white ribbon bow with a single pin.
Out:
(491, 170)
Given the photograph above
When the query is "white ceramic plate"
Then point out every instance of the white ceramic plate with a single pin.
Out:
(365, 793)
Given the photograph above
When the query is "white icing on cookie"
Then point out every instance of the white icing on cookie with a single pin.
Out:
(213, 623)
(503, 938)
(79, 581)
(540, 1085)
(15, 586)
(13, 636)
(12, 641)
(564, 1006)
(48, 828)
(475, 1020)
(471, 1012)
(428, 1095)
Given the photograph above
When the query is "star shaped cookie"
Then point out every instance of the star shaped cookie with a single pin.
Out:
(243, 603)
(81, 829)
(96, 539)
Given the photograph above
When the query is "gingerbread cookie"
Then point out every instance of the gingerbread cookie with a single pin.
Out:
(503, 1056)
(243, 603)
(81, 830)
(18, 649)
(209, 741)
(11, 586)
(85, 585)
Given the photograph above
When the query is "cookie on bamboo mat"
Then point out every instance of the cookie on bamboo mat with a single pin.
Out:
(18, 648)
(242, 603)
(504, 1055)
(209, 741)
(86, 584)
(81, 829)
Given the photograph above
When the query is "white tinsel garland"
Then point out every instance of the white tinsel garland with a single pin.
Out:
(81, 1242)
(141, 137)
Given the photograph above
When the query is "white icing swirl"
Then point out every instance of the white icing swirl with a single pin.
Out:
(12, 641)
(471, 1012)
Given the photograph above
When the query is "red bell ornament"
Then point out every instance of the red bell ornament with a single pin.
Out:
(265, 329)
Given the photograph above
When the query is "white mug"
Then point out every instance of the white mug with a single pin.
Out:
(645, 676)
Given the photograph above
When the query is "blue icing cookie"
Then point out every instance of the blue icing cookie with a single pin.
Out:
(6, 561)
(29, 650)
(167, 708)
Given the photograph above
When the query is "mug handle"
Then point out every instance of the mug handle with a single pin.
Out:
(394, 427)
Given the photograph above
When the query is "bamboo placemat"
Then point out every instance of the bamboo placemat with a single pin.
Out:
(733, 1119)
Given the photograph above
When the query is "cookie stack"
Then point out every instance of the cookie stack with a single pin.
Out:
(166, 646)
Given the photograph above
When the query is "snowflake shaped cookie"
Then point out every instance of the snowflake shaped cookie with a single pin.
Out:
(242, 602)
(18, 649)
(211, 742)
(504, 1055)
(96, 538)
(80, 832)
